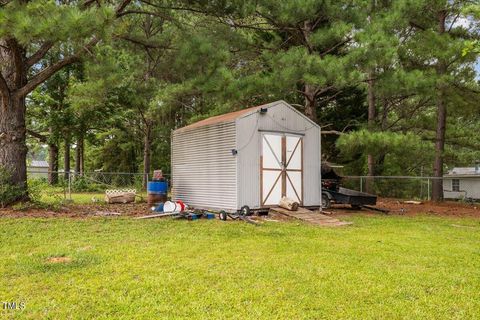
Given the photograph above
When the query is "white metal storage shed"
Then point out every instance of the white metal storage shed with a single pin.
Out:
(249, 157)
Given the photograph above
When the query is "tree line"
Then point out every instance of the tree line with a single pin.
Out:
(102, 83)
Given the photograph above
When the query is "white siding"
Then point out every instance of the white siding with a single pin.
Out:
(203, 167)
(37, 172)
(280, 117)
(469, 188)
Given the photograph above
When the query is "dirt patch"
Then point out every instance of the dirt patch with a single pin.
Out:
(59, 260)
(275, 217)
(113, 211)
(80, 211)
(399, 207)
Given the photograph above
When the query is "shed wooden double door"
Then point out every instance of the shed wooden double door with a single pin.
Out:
(281, 169)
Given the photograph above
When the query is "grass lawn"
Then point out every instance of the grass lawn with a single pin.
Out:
(381, 267)
(77, 197)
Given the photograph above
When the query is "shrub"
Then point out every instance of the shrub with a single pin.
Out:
(8, 193)
(81, 184)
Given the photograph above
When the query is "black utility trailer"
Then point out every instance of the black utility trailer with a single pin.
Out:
(354, 198)
(333, 193)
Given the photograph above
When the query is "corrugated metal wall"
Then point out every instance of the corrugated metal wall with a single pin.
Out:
(280, 118)
(204, 171)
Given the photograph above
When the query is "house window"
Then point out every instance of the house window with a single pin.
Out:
(455, 185)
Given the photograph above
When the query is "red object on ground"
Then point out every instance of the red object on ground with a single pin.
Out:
(182, 205)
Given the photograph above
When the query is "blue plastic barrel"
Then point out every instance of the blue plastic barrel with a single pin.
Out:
(156, 192)
(157, 187)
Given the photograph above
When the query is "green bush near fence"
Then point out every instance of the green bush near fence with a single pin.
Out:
(82, 184)
(8, 192)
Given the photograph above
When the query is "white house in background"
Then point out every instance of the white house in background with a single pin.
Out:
(460, 183)
(37, 169)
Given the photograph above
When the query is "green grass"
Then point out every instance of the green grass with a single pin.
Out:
(55, 196)
(78, 198)
(382, 267)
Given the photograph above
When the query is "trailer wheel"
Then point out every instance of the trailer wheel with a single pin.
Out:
(223, 215)
(244, 211)
(325, 202)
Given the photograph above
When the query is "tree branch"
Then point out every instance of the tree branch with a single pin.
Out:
(41, 52)
(37, 135)
(335, 132)
(121, 7)
(323, 90)
(46, 73)
(87, 3)
(174, 8)
(415, 25)
(149, 13)
(254, 26)
(144, 43)
(339, 44)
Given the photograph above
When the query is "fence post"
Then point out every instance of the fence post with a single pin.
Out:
(361, 184)
(70, 186)
(428, 190)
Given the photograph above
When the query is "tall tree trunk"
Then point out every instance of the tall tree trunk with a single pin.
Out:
(310, 102)
(79, 152)
(13, 149)
(437, 184)
(80, 155)
(77, 160)
(372, 117)
(82, 158)
(66, 159)
(147, 154)
(52, 164)
(14, 87)
(309, 91)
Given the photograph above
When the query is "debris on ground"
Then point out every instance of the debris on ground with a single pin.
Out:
(289, 204)
(120, 195)
(174, 206)
(412, 202)
(398, 206)
(107, 213)
(160, 215)
(376, 209)
(394, 206)
(313, 217)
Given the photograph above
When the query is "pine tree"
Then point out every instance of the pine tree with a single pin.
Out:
(28, 31)
(441, 30)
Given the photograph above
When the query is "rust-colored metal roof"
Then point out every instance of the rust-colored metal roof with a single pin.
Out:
(227, 117)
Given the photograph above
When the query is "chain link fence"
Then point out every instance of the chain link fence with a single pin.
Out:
(408, 187)
(71, 186)
(400, 187)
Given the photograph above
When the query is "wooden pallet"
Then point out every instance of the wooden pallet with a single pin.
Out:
(313, 217)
